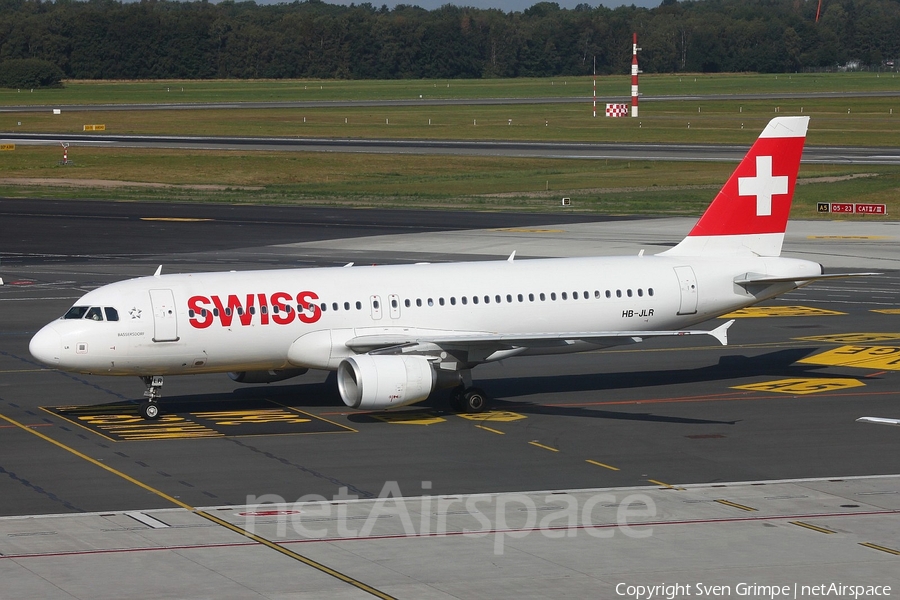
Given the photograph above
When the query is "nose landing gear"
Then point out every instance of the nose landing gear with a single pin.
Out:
(149, 409)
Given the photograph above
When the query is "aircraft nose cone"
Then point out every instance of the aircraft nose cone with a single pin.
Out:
(45, 346)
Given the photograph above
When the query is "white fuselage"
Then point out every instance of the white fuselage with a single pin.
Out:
(162, 328)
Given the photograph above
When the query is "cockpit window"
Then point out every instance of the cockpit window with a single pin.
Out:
(111, 313)
(94, 314)
(76, 312)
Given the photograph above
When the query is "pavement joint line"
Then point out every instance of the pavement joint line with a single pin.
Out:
(882, 548)
(736, 505)
(261, 540)
(812, 527)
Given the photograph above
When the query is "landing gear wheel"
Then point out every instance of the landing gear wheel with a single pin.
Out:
(475, 400)
(149, 410)
(457, 403)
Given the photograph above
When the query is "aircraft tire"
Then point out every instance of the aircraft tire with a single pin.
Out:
(149, 410)
(475, 400)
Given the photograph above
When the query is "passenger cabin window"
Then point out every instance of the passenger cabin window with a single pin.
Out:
(76, 312)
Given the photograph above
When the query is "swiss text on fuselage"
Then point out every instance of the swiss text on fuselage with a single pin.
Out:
(279, 308)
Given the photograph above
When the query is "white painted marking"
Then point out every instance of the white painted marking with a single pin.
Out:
(147, 520)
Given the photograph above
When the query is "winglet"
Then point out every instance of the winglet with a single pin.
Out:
(512, 256)
(878, 420)
(721, 332)
(158, 271)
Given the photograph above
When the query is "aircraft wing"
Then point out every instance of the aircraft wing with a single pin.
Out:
(879, 421)
(398, 341)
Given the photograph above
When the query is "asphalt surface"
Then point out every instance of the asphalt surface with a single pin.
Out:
(664, 411)
(616, 151)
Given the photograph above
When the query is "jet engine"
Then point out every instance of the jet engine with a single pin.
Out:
(266, 376)
(373, 382)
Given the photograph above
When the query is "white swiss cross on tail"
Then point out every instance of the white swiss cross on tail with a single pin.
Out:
(750, 213)
(763, 186)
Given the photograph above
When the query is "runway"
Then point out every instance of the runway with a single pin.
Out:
(778, 403)
(439, 102)
(571, 150)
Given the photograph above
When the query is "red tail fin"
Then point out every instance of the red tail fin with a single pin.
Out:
(750, 213)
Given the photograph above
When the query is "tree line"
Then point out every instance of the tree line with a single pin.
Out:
(106, 39)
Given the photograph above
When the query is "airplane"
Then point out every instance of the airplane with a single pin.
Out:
(394, 334)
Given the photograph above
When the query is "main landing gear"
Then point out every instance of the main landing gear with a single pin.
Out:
(149, 409)
(468, 399)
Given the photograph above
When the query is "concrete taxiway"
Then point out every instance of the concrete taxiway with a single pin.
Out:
(673, 422)
(747, 538)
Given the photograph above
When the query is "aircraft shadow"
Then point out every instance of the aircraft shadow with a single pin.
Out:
(504, 391)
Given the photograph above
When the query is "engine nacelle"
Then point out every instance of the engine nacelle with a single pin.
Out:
(266, 376)
(373, 382)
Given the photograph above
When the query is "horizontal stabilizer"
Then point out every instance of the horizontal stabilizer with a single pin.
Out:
(759, 278)
(878, 420)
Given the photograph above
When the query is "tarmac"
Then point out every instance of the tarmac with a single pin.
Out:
(664, 464)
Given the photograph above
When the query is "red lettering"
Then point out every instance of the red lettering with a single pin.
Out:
(263, 309)
(281, 314)
(202, 318)
(278, 308)
(304, 301)
(226, 313)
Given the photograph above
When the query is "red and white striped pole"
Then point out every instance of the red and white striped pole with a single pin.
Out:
(634, 77)
(595, 87)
